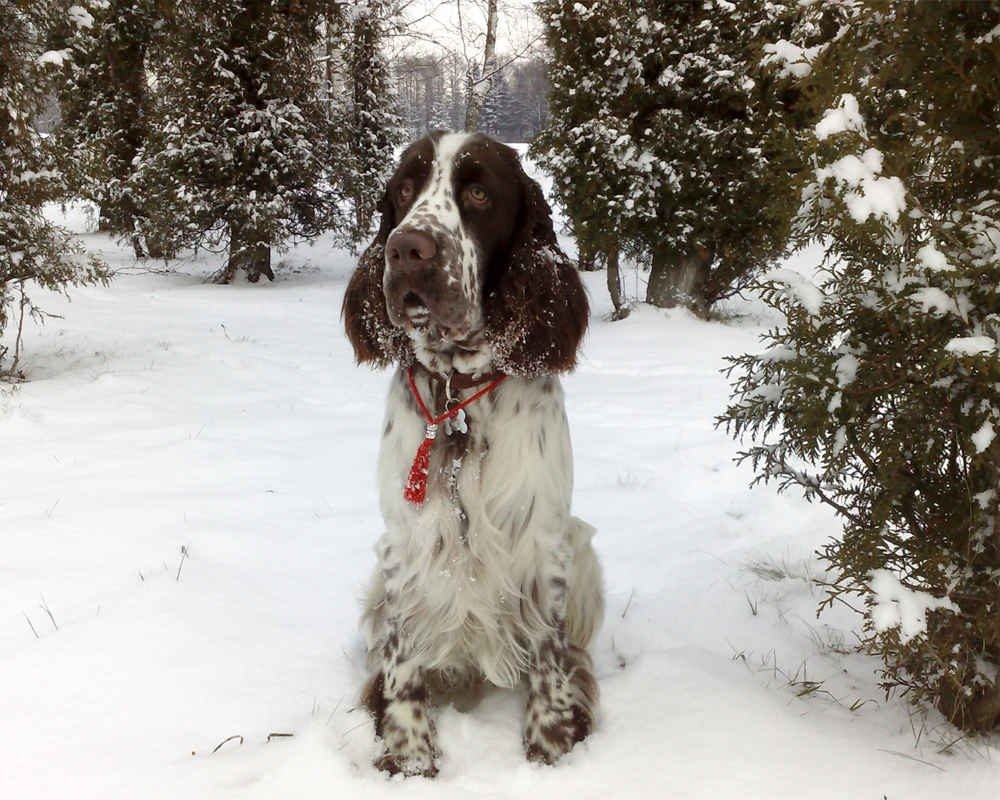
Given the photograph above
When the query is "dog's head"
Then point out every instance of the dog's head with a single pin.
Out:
(466, 259)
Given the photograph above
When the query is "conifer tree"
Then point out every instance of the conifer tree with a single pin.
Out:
(666, 138)
(239, 151)
(499, 116)
(374, 127)
(32, 251)
(105, 105)
(530, 85)
(880, 394)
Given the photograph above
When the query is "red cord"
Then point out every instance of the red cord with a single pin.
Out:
(415, 490)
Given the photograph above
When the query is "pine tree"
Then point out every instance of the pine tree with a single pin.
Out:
(373, 128)
(667, 139)
(32, 251)
(498, 117)
(880, 394)
(239, 149)
(530, 86)
(105, 105)
(453, 102)
(427, 93)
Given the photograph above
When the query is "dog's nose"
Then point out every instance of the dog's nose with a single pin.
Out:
(408, 249)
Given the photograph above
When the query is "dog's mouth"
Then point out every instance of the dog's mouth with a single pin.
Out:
(419, 318)
(416, 310)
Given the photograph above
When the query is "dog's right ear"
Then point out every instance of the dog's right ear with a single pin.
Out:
(536, 307)
(388, 217)
(375, 340)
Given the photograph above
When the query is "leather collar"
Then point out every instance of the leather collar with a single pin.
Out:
(460, 380)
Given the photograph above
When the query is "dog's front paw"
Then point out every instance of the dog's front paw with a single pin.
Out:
(551, 732)
(409, 743)
(396, 764)
(561, 706)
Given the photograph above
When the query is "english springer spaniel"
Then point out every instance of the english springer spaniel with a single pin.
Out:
(483, 575)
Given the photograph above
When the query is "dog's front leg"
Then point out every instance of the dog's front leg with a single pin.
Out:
(397, 699)
(562, 691)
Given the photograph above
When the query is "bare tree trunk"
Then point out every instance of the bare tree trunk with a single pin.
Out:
(105, 223)
(22, 305)
(678, 279)
(129, 222)
(615, 284)
(248, 254)
(364, 137)
(481, 87)
(428, 77)
(137, 247)
(455, 81)
(259, 263)
(158, 247)
(329, 51)
(586, 258)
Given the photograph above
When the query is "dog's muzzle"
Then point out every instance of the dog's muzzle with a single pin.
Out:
(423, 283)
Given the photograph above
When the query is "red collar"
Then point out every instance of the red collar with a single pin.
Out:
(415, 490)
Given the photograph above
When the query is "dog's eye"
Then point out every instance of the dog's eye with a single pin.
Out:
(477, 195)
(405, 191)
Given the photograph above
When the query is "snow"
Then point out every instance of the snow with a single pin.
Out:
(791, 59)
(868, 194)
(983, 437)
(987, 38)
(78, 216)
(164, 413)
(843, 117)
(899, 607)
(933, 301)
(28, 175)
(846, 369)
(971, 345)
(57, 57)
(778, 353)
(932, 258)
(797, 287)
(80, 17)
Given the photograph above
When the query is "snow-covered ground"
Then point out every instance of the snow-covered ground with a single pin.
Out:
(188, 508)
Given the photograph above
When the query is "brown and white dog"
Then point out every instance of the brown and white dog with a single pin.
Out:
(489, 578)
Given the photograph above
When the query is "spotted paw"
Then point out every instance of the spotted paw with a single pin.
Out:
(550, 733)
(409, 765)
(409, 740)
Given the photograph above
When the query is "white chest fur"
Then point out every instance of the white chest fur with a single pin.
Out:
(467, 574)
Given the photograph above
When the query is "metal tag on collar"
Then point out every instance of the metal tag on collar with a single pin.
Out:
(458, 423)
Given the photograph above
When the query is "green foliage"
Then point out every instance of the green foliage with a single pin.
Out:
(372, 128)
(32, 251)
(105, 107)
(880, 394)
(239, 150)
(668, 136)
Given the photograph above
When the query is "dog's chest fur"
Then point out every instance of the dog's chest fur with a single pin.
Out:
(464, 571)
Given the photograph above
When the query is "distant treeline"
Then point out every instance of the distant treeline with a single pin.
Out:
(432, 93)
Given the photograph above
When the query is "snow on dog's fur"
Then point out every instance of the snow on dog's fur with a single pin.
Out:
(490, 578)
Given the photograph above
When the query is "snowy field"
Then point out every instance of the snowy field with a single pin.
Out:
(188, 507)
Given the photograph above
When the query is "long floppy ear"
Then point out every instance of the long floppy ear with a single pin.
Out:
(535, 305)
(375, 340)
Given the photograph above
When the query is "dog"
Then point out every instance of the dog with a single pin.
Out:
(483, 575)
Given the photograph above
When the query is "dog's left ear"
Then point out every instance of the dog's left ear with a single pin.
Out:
(535, 305)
